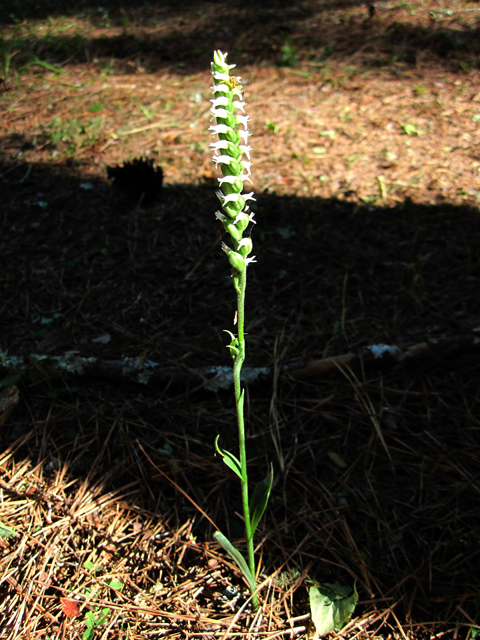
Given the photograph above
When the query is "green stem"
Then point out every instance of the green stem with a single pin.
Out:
(237, 367)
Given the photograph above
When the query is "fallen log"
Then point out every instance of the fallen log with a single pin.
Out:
(381, 355)
(214, 378)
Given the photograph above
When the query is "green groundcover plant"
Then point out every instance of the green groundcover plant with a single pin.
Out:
(229, 149)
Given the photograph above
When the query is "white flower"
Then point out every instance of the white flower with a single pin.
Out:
(228, 179)
(223, 159)
(219, 144)
(220, 128)
(225, 144)
(220, 88)
(241, 217)
(232, 197)
(232, 179)
(243, 120)
(222, 101)
(220, 113)
(239, 105)
(219, 58)
(243, 242)
(246, 165)
(244, 214)
(218, 75)
(244, 149)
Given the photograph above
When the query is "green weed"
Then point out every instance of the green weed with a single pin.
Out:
(74, 134)
(410, 129)
(6, 56)
(289, 54)
(93, 621)
(99, 615)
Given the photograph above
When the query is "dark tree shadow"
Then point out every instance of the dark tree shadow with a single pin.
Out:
(17, 10)
(78, 264)
(266, 30)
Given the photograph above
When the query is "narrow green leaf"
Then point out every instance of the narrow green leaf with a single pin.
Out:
(45, 65)
(229, 459)
(237, 556)
(331, 607)
(6, 531)
(259, 499)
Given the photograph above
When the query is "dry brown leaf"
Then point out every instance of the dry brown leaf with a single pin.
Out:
(69, 607)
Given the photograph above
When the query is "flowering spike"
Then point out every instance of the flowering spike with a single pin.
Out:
(229, 150)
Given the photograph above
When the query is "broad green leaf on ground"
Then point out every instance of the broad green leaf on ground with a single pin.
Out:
(115, 584)
(6, 531)
(331, 606)
(237, 556)
(230, 460)
(259, 500)
(9, 382)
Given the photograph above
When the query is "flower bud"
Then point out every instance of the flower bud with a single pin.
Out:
(235, 259)
(232, 229)
(241, 221)
(245, 247)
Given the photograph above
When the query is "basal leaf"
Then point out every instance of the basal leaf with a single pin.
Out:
(229, 459)
(259, 499)
(330, 607)
(237, 556)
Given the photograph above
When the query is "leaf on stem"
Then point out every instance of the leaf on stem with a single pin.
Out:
(229, 459)
(233, 346)
(260, 498)
(331, 606)
(241, 402)
(237, 556)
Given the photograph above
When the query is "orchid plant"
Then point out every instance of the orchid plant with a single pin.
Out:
(237, 220)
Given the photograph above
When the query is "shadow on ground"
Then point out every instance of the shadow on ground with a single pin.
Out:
(376, 472)
(184, 34)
